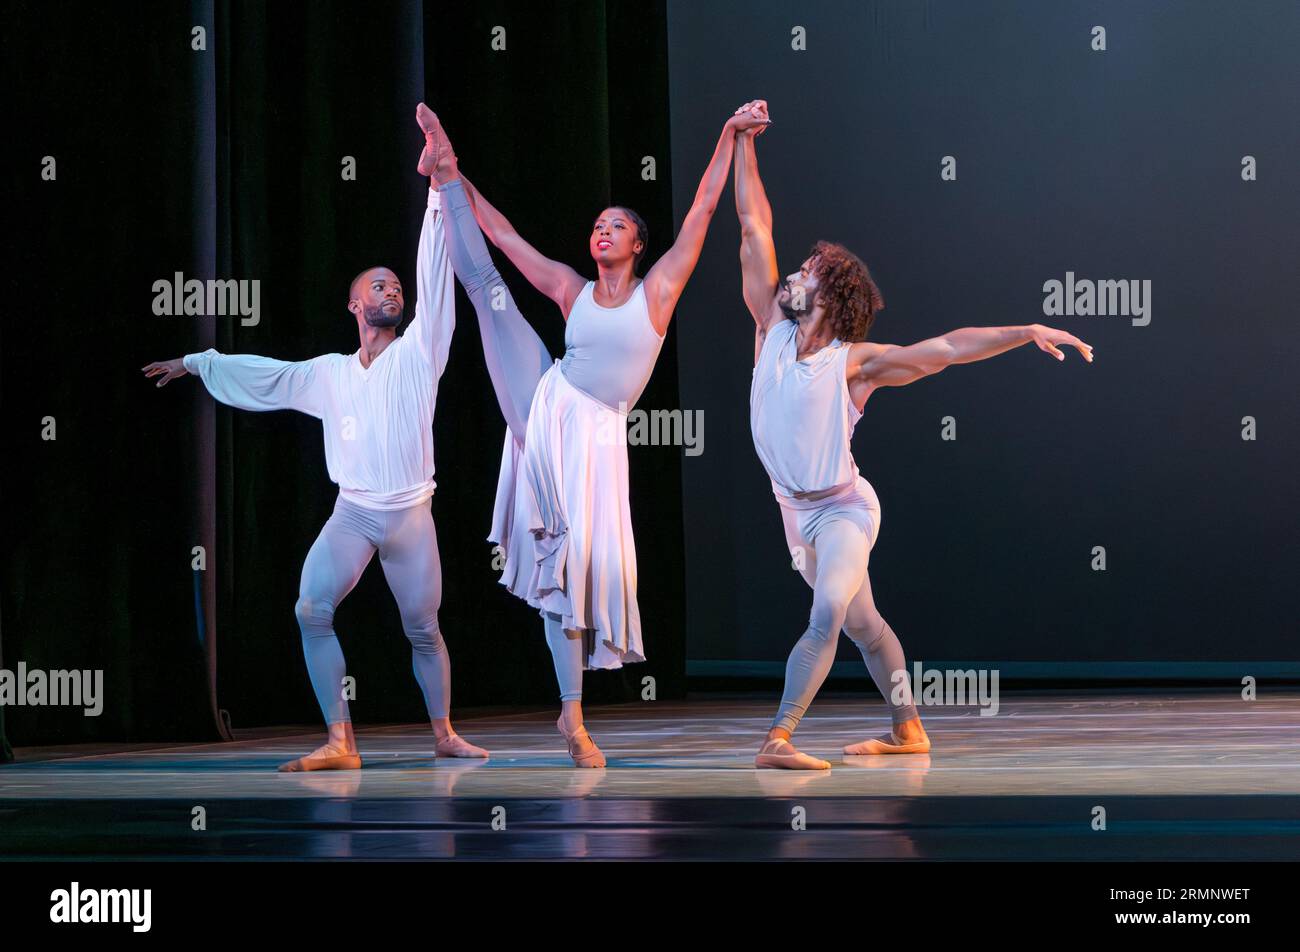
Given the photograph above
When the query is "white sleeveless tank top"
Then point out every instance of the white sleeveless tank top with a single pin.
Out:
(609, 352)
(801, 416)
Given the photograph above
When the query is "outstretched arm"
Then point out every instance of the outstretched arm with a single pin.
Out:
(666, 280)
(888, 365)
(555, 279)
(248, 382)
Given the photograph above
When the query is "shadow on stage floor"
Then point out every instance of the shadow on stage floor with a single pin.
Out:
(1179, 776)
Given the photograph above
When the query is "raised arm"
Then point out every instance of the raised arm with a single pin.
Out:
(555, 279)
(248, 382)
(665, 281)
(435, 292)
(889, 365)
(759, 275)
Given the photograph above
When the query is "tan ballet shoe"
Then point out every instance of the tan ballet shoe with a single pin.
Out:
(429, 157)
(592, 758)
(888, 744)
(339, 761)
(781, 754)
(437, 159)
(457, 746)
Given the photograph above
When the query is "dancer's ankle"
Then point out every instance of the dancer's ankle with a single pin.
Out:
(445, 172)
(441, 729)
(341, 737)
(910, 728)
(571, 715)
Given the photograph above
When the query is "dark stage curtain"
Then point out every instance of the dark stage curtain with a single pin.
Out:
(6, 752)
(157, 174)
(98, 522)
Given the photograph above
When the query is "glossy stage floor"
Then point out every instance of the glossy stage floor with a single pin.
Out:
(1179, 775)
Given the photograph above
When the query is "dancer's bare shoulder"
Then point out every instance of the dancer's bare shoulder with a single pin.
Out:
(871, 365)
(862, 354)
(863, 357)
(567, 293)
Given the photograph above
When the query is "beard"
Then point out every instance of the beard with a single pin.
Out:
(785, 301)
(382, 317)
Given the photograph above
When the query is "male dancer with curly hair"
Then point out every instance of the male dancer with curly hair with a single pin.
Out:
(813, 373)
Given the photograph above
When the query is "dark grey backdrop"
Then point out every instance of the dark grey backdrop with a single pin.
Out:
(1117, 164)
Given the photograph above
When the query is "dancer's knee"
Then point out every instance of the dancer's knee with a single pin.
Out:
(315, 616)
(867, 633)
(424, 635)
(827, 615)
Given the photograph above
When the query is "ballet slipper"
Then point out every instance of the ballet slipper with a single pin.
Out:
(790, 759)
(456, 746)
(429, 157)
(592, 758)
(888, 744)
(437, 160)
(425, 119)
(335, 762)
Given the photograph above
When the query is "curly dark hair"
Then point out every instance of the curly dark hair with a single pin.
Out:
(846, 290)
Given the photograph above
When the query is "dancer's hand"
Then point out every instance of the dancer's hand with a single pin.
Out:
(169, 369)
(1048, 337)
(751, 118)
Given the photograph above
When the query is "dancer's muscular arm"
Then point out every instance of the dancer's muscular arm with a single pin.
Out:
(889, 365)
(249, 382)
(555, 279)
(759, 276)
(666, 280)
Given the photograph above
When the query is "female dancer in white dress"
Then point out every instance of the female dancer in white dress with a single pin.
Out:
(562, 514)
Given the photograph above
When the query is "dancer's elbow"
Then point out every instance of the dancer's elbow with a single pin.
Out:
(944, 355)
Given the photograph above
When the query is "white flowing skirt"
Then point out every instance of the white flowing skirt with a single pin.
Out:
(563, 520)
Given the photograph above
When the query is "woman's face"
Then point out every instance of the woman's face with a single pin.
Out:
(613, 238)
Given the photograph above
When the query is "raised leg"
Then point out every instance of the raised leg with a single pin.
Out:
(516, 357)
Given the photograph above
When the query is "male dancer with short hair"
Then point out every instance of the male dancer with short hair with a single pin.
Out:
(813, 373)
(376, 406)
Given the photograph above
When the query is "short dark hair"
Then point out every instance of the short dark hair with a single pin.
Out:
(846, 291)
(642, 233)
(352, 288)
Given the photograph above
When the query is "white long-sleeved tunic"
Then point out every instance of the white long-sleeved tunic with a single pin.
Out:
(377, 420)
